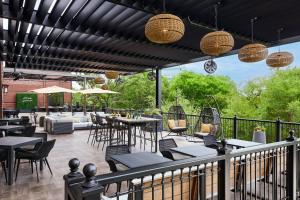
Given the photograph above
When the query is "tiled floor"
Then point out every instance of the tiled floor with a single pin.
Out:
(52, 187)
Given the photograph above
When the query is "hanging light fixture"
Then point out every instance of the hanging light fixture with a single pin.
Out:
(99, 80)
(217, 42)
(104, 87)
(111, 74)
(151, 75)
(164, 28)
(253, 52)
(279, 59)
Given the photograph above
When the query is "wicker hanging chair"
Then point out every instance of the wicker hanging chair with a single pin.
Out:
(209, 122)
(177, 122)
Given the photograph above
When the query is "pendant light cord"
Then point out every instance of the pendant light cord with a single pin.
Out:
(164, 6)
(279, 37)
(216, 16)
(252, 29)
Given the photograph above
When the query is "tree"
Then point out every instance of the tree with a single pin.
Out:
(196, 87)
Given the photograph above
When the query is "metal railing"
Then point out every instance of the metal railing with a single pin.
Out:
(242, 128)
(261, 172)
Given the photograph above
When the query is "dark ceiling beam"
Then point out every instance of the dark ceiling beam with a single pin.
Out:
(97, 32)
(140, 5)
(79, 55)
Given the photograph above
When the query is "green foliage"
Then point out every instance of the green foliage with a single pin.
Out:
(196, 87)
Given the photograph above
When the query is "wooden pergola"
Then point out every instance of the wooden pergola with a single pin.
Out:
(91, 36)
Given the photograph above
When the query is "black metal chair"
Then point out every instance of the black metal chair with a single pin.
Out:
(210, 141)
(40, 152)
(93, 126)
(114, 166)
(164, 147)
(3, 158)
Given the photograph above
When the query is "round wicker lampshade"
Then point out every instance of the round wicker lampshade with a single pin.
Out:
(99, 80)
(280, 59)
(111, 74)
(253, 52)
(216, 43)
(164, 29)
(104, 87)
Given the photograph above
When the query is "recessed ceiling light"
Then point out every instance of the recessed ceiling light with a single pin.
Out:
(5, 24)
(40, 29)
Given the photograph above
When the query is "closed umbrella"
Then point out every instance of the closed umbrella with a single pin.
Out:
(51, 90)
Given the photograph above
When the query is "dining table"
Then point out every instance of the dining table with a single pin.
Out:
(10, 120)
(241, 143)
(5, 128)
(139, 159)
(10, 144)
(135, 122)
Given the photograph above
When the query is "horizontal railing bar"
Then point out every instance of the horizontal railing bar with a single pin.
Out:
(156, 169)
(260, 148)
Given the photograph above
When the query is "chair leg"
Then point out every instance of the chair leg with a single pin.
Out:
(48, 166)
(31, 163)
(18, 165)
(37, 172)
(4, 170)
(90, 133)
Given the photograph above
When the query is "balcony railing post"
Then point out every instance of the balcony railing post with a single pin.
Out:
(278, 130)
(235, 127)
(291, 167)
(78, 187)
(224, 173)
(72, 178)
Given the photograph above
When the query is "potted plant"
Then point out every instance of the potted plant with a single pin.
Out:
(259, 134)
(154, 113)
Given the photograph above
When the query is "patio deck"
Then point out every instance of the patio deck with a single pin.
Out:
(52, 187)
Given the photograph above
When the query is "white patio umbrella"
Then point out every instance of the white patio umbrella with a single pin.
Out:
(51, 90)
(97, 91)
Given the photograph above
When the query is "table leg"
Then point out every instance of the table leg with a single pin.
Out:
(129, 135)
(110, 135)
(156, 135)
(10, 162)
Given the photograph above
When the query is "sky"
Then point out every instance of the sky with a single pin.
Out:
(238, 71)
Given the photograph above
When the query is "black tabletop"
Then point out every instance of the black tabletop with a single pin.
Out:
(10, 120)
(140, 159)
(241, 143)
(11, 127)
(11, 142)
(196, 151)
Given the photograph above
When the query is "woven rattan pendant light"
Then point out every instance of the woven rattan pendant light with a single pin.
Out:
(99, 80)
(279, 59)
(217, 42)
(253, 52)
(104, 87)
(164, 28)
(111, 74)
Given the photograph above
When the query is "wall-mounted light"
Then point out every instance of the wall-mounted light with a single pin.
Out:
(5, 88)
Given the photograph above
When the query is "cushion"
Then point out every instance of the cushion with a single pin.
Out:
(206, 128)
(182, 123)
(171, 123)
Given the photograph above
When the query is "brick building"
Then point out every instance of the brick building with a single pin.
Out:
(24, 85)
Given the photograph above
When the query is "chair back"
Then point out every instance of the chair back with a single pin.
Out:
(166, 144)
(25, 120)
(99, 120)
(210, 141)
(164, 147)
(93, 118)
(115, 150)
(45, 148)
(29, 131)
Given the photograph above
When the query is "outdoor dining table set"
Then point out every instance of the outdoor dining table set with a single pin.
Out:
(132, 124)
